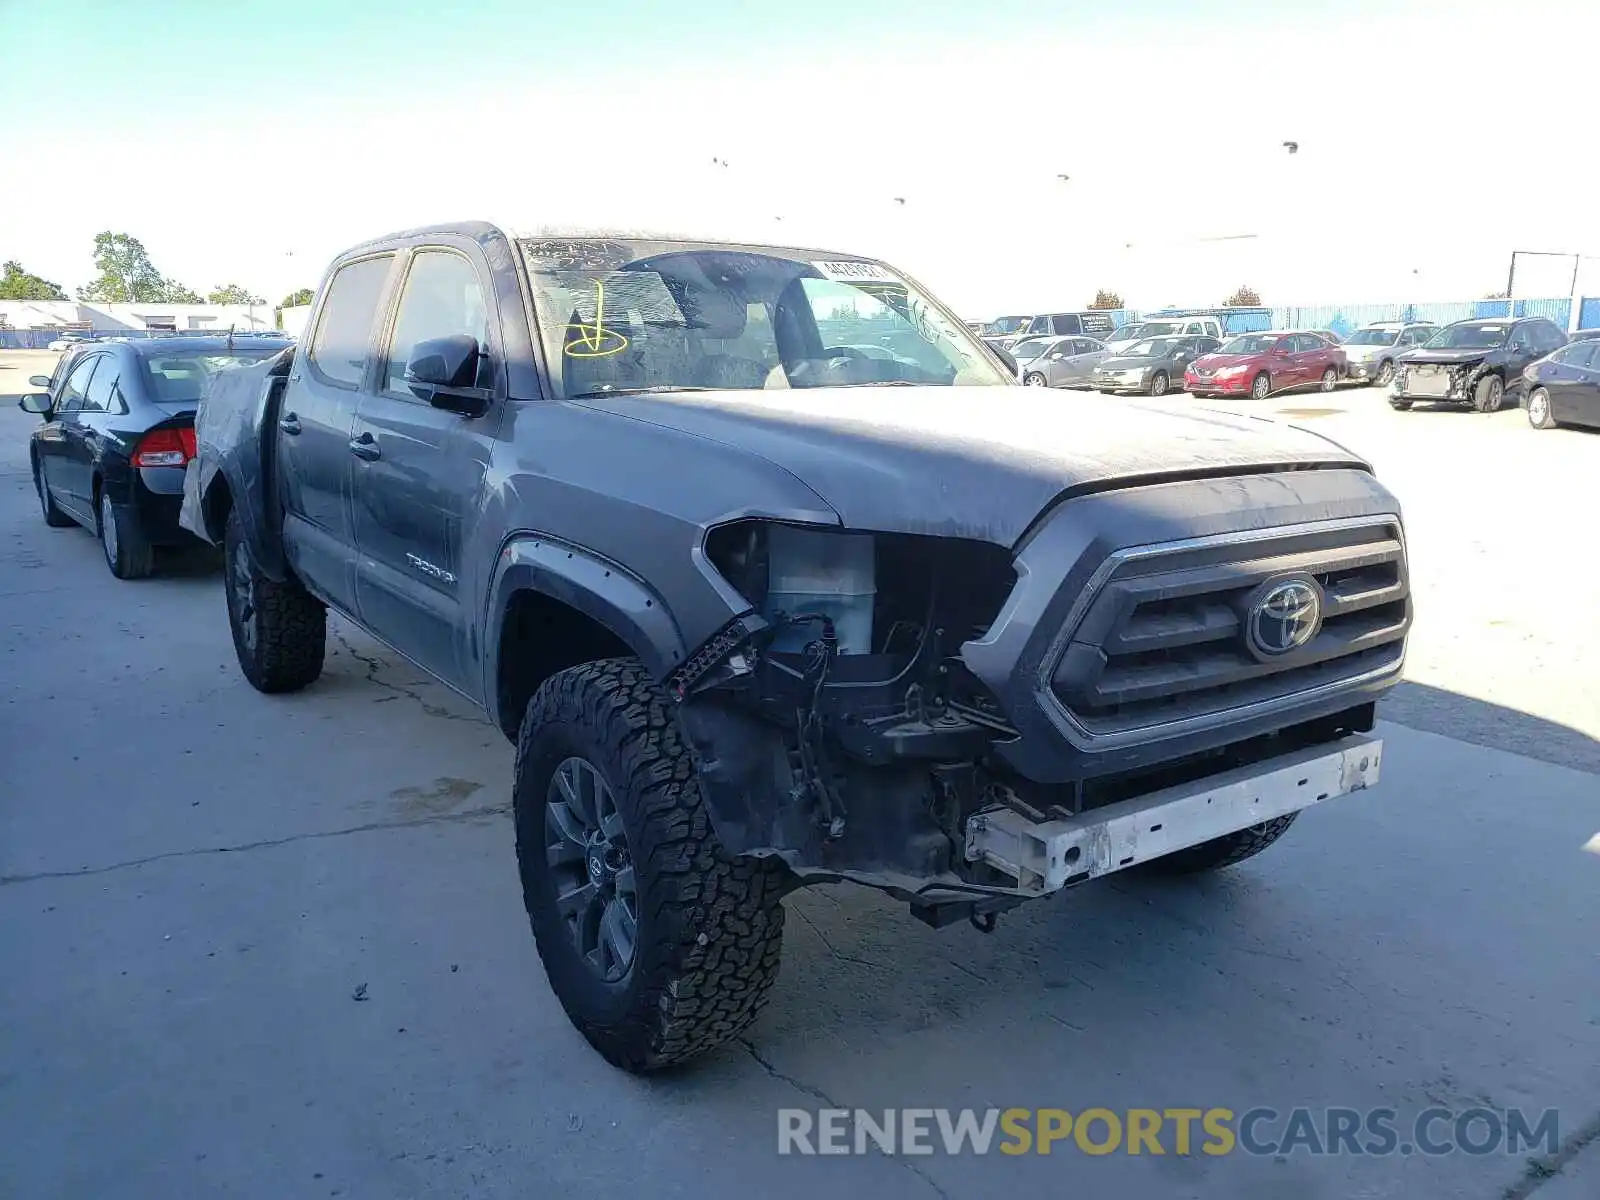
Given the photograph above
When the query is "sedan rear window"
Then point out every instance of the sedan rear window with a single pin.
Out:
(180, 378)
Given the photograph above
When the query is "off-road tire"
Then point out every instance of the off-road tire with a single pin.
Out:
(1489, 395)
(1159, 384)
(1223, 851)
(282, 638)
(1261, 386)
(54, 515)
(1540, 414)
(1400, 405)
(710, 926)
(128, 552)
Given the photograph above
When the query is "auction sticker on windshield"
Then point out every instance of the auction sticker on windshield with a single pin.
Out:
(855, 272)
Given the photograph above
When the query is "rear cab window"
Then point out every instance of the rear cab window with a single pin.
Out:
(339, 347)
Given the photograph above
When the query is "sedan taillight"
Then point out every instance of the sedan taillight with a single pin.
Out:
(165, 448)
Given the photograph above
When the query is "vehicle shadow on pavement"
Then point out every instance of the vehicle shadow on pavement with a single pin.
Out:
(1483, 723)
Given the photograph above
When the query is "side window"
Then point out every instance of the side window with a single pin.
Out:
(100, 395)
(339, 347)
(1207, 344)
(1522, 338)
(72, 392)
(1579, 354)
(1550, 336)
(442, 297)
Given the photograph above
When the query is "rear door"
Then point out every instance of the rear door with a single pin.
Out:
(1585, 404)
(420, 474)
(1570, 379)
(316, 424)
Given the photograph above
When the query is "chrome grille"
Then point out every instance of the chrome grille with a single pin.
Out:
(1163, 637)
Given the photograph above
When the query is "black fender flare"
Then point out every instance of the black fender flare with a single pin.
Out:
(603, 590)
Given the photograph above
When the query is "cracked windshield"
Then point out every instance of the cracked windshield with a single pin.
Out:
(660, 318)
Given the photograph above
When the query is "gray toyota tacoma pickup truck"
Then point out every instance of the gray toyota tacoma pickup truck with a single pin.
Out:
(773, 575)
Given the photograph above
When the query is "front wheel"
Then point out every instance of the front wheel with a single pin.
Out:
(658, 944)
(1385, 373)
(1330, 380)
(1159, 384)
(1489, 394)
(1260, 386)
(280, 630)
(1400, 405)
(127, 550)
(1034, 379)
(1540, 415)
(1224, 851)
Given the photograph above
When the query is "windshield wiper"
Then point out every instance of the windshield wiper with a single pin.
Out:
(639, 391)
(880, 383)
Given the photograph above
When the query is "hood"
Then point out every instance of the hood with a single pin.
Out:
(1363, 352)
(977, 463)
(1121, 362)
(1456, 357)
(1216, 362)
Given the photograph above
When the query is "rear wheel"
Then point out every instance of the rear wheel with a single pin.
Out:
(1260, 386)
(128, 552)
(1489, 394)
(1159, 383)
(1224, 851)
(1540, 415)
(280, 630)
(54, 515)
(658, 944)
(1330, 379)
(1034, 379)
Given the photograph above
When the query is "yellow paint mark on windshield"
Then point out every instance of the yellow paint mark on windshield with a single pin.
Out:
(594, 341)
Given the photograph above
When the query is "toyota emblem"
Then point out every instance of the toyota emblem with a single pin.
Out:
(1284, 616)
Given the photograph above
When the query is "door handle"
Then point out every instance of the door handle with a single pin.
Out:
(365, 447)
(290, 424)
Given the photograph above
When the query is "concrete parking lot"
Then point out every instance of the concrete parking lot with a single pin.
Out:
(263, 946)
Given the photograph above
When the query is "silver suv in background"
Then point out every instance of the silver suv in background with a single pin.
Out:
(1372, 349)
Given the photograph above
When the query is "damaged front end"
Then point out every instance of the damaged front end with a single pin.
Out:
(835, 725)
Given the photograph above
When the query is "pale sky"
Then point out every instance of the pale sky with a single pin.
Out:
(249, 147)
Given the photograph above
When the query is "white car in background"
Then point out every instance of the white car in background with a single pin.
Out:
(67, 341)
(1164, 327)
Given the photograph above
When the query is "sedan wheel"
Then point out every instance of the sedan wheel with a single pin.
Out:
(1260, 386)
(128, 554)
(1158, 384)
(1385, 374)
(1034, 379)
(54, 515)
(1330, 380)
(1539, 414)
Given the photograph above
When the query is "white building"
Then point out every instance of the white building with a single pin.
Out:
(72, 314)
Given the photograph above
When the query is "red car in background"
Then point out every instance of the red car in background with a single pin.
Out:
(1259, 364)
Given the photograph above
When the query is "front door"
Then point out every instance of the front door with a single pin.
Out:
(1575, 386)
(69, 471)
(316, 425)
(419, 477)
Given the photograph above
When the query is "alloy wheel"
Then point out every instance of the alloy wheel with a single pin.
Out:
(108, 529)
(241, 582)
(597, 894)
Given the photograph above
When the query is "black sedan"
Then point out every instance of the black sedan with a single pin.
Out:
(1564, 388)
(118, 430)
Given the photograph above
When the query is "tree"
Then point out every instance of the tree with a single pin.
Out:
(127, 275)
(232, 293)
(295, 299)
(1497, 295)
(1245, 297)
(17, 284)
(1106, 299)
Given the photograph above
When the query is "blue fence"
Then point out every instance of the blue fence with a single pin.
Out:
(1344, 319)
(40, 339)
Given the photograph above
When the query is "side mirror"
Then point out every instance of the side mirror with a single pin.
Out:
(444, 371)
(39, 381)
(35, 402)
